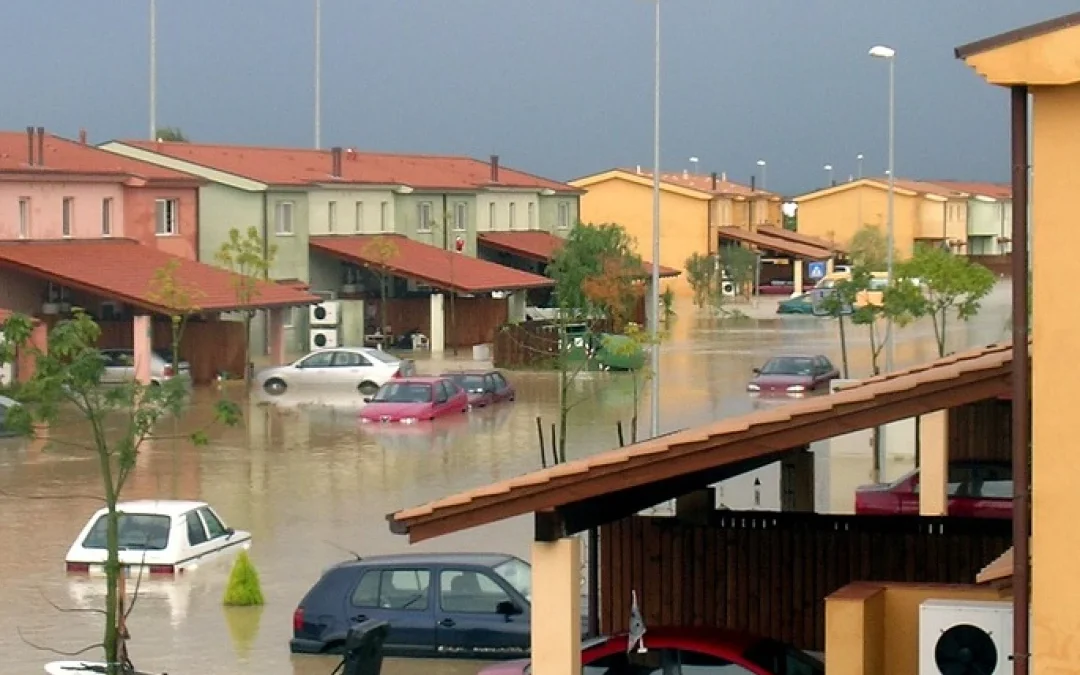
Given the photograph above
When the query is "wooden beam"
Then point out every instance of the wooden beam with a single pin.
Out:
(549, 525)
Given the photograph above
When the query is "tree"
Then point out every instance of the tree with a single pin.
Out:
(179, 298)
(614, 292)
(838, 302)
(250, 258)
(937, 283)
(118, 420)
(741, 265)
(869, 248)
(639, 339)
(382, 250)
(171, 134)
(701, 275)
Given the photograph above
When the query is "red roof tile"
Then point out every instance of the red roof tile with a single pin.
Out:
(541, 246)
(703, 183)
(302, 166)
(123, 269)
(430, 264)
(992, 190)
(761, 240)
(63, 156)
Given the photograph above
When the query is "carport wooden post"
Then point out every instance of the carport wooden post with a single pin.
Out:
(438, 323)
(933, 463)
(556, 607)
(798, 263)
(143, 345)
(276, 335)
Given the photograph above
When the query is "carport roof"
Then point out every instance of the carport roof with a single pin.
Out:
(124, 269)
(542, 247)
(601, 488)
(799, 250)
(799, 238)
(430, 264)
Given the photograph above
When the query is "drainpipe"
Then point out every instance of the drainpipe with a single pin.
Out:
(452, 253)
(266, 253)
(1021, 378)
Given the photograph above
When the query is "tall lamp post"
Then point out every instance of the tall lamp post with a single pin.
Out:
(858, 165)
(153, 70)
(654, 300)
(764, 173)
(318, 74)
(829, 174)
(889, 54)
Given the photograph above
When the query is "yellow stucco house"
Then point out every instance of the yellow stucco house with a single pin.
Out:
(692, 207)
(922, 212)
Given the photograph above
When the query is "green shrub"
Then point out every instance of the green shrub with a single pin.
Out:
(244, 589)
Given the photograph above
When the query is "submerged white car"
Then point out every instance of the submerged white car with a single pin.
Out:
(348, 368)
(156, 537)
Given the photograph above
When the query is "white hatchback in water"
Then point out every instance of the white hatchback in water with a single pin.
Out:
(159, 536)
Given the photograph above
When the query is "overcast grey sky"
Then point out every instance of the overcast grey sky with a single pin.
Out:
(557, 87)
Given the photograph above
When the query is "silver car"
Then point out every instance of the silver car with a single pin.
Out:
(120, 367)
(359, 368)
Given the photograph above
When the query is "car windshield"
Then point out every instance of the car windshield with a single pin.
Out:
(380, 355)
(777, 657)
(518, 574)
(137, 531)
(404, 392)
(789, 366)
(470, 383)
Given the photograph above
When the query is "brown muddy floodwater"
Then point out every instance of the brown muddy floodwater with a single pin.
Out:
(308, 482)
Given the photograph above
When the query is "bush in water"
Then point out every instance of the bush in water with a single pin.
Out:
(244, 589)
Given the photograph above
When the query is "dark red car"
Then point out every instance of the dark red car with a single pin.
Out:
(485, 387)
(976, 490)
(793, 376)
(686, 651)
(415, 399)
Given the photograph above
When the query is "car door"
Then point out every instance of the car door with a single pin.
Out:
(216, 531)
(198, 541)
(440, 401)
(313, 369)
(401, 596)
(467, 620)
(504, 391)
(349, 368)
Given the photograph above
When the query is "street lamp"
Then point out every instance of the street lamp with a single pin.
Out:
(318, 74)
(764, 172)
(694, 163)
(153, 70)
(858, 164)
(654, 301)
(829, 172)
(889, 54)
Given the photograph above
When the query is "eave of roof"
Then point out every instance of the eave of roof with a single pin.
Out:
(540, 246)
(799, 250)
(799, 238)
(1017, 35)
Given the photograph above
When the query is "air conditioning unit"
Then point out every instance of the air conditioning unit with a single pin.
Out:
(323, 338)
(727, 288)
(325, 313)
(957, 637)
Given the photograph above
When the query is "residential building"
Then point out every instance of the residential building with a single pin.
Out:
(55, 188)
(692, 209)
(989, 216)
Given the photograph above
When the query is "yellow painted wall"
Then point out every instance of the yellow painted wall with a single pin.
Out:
(837, 216)
(684, 222)
(873, 629)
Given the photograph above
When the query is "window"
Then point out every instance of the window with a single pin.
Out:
(290, 318)
(106, 217)
(564, 216)
(331, 217)
(214, 525)
(461, 215)
(470, 592)
(358, 226)
(283, 218)
(196, 533)
(511, 215)
(168, 221)
(516, 572)
(424, 222)
(69, 215)
(350, 360)
(393, 589)
(142, 531)
(24, 217)
(320, 360)
(492, 218)
(532, 215)
(384, 216)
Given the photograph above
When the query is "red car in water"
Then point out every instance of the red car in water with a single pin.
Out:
(415, 399)
(686, 651)
(793, 376)
(484, 387)
(977, 489)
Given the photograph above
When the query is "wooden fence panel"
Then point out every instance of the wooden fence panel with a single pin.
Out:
(532, 344)
(769, 573)
(210, 347)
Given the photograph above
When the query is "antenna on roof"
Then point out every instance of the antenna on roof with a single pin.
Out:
(343, 549)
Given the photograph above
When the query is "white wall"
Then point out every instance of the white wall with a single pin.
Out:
(502, 202)
(347, 199)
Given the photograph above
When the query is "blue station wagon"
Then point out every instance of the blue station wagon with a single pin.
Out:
(472, 606)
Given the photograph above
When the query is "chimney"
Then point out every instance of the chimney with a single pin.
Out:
(494, 168)
(82, 136)
(753, 183)
(30, 146)
(723, 176)
(41, 146)
(713, 177)
(335, 162)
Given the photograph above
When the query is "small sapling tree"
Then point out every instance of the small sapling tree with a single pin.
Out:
(250, 258)
(382, 250)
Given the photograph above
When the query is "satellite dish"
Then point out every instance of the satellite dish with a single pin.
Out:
(789, 209)
(965, 650)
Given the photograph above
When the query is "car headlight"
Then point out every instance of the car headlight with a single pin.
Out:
(365, 420)
(408, 420)
(752, 387)
(795, 388)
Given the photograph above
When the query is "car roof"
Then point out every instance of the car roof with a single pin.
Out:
(797, 356)
(419, 379)
(165, 507)
(480, 559)
(666, 636)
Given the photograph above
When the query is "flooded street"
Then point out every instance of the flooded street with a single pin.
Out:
(311, 484)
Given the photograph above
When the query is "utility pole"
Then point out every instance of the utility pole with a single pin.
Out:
(318, 74)
(153, 70)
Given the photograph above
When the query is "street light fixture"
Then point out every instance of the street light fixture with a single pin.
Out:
(694, 163)
(829, 171)
(654, 301)
(858, 164)
(889, 54)
(764, 172)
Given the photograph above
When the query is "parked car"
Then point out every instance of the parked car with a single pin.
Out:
(800, 304)
(485, 387)
(415, 399)
(360, 369)
(161, 536)
(684, 650)
(120, 366)
(793, 375)
(6, 404)
(469, 605)
(976, 489)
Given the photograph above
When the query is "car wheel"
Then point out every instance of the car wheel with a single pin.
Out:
(368, 388)
(275, 387)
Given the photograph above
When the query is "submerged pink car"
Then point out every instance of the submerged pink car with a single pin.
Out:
(415, 399)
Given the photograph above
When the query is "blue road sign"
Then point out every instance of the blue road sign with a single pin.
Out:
(817, 270)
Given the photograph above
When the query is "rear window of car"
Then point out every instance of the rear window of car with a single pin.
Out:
(378, 355)
(137, 532)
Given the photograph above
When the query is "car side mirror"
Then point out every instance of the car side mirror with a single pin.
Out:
(229, 532)
(756, 371)
(367, 399)
(508, 608)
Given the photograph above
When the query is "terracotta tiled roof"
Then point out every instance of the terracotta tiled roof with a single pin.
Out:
(302, 166)
(430, 264)
(703, 183)
(123, 270)
(63, 156)
(799, 238)
(542, 246)
(992, 190)
(750, 440)
(1018, 35)
(764, 241)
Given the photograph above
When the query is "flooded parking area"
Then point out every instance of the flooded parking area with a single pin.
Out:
(312, 485)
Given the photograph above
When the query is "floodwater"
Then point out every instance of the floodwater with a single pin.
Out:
(311, 484)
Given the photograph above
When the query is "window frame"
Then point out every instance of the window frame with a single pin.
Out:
(164, 225)
(425, 222)
(493, 216)
(511, 215)
(205, 514)
(563, 216)
(341, 354)
(461, 216)
(106, 216)
(384, 216)
(331, 353)
(491, 577)
(331, 216)
(67, 222)
(383, 572)
(25, 211)
(530, 209)
(193, 518)
(358, 217)
(281, 227)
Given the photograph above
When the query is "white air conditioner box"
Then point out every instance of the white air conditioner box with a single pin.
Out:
(323, 338)
(727, 288)
(965, 636)
(325, 313)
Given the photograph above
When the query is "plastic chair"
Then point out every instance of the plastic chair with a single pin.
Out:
(364, 649)
(420, 341)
